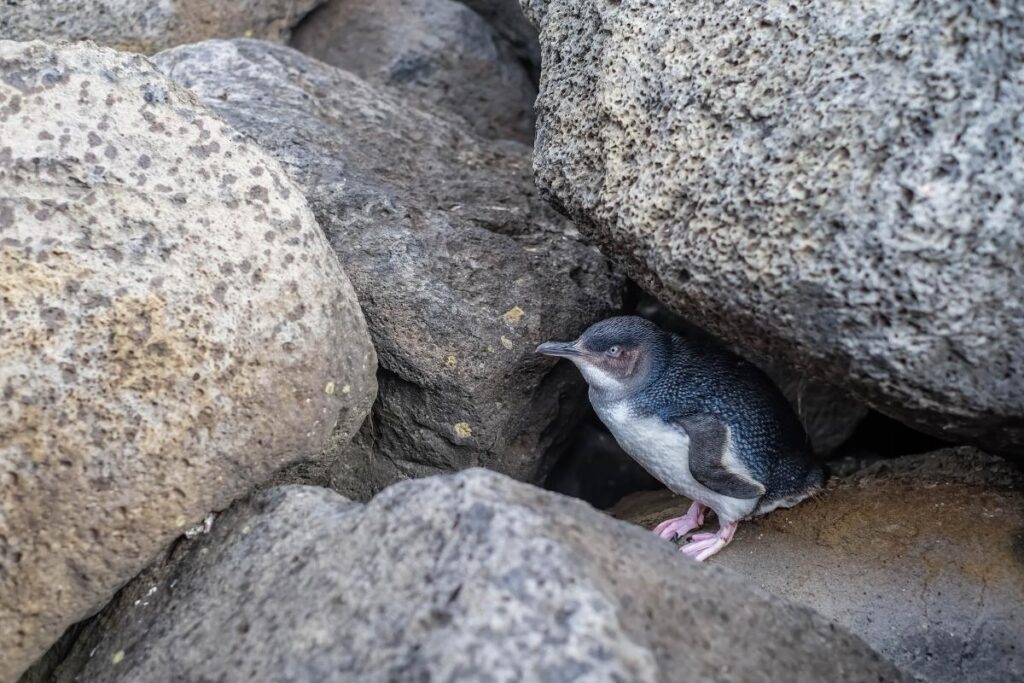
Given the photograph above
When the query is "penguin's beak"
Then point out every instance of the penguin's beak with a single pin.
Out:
(560, 349)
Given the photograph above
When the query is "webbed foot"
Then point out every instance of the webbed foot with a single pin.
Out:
(703, 546)
(677, 526)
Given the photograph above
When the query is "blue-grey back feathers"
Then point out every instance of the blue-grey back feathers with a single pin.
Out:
(695, 382)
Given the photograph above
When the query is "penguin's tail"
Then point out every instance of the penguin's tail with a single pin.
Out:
(817, 478)
(812, 485)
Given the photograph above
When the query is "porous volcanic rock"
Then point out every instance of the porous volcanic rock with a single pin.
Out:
(173, 328)
(467, 577)
(148, 26)
(837, 186)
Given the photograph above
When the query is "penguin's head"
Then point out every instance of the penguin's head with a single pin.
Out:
(615, 355)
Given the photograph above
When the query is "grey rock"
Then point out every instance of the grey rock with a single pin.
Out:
(174, 328)
(148, 26)
(439, 51)
(507, 18)
(921, 556)
(835, 186)
(468, 577)
(461, 270)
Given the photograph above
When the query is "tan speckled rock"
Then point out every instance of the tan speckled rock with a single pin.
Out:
(150, 25)
(173, 328)
(838, 185)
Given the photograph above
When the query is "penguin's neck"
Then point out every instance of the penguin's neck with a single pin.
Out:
(603, 386)
(602, 399)
(608, 393)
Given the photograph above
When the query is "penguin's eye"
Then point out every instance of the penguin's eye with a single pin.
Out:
(614, 351)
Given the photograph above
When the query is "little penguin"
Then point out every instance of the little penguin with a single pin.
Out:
(703, 421)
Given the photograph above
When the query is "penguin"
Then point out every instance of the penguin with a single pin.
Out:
(706, 423)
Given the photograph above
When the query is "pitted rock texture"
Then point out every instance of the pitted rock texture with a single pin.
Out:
(837, 186)
(173, 328)
(469, 577)
(148, 26)
(922, 556)
(439, 51)
(460, 269)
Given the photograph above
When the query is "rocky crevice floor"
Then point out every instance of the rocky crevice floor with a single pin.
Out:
(922, 556)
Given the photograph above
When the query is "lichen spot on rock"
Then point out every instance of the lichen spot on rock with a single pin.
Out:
(463, 430)
(513, 315)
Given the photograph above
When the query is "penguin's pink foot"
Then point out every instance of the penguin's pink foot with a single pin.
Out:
(703, 546)
(677, 526)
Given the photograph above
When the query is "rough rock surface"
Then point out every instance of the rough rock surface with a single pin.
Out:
(460, 269)
(921, 556)
(148, 26)
(439, 51)
(174, 327)
(469, 577)
(838, 186)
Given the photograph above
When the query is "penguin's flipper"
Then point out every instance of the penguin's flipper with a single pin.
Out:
(711, 460)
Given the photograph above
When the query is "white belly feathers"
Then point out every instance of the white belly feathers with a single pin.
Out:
(663, 450)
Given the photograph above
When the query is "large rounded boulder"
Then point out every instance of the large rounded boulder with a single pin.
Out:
(150, 25)
(173, 329)
(439, 51)
(465, 577)
(838, 186)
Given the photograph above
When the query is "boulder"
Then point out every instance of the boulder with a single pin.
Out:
(174, 328)
(920, 556)
(461, 270)
(438, 51)
(463, 577)
(148, 26)
(838, 187)
(507, 18)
